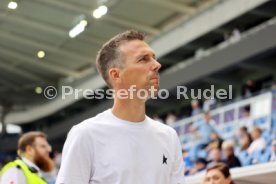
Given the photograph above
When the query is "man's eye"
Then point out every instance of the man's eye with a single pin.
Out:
(216, 177)
(142, 59)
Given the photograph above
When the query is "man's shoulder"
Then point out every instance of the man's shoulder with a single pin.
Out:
(12, 165)
(12, 173)
(90, 123)
(13, 168)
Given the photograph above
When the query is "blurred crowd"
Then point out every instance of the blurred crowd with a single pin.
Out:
(250, 145)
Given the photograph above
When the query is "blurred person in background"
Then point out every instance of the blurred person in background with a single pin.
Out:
(209, 103)
(229, 156)
(218, 173)
(196, 109)
(33, 152)
(215, 156)
(170, 118)
(258, 141)
(157, 118)
(204, 129)
(246, 120)
(273, 154)
(236, 34)
(216, 141)
(200, 166)
(249, 88)
(245, 139)
(243, 133)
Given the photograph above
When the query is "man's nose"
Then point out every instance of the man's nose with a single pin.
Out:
(156, 66)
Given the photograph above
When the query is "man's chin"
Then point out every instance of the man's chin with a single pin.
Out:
(156, 88)
(46, 164)
(154, 92)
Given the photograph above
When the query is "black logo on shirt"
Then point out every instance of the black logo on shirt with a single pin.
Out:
(164, 159)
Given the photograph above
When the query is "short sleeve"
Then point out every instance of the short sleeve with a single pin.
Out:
(77, 158)
(177, 173)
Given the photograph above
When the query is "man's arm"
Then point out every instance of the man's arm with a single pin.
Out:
(178, 164)
(77, 158)
(13, 175)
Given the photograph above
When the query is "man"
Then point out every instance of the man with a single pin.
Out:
(246, 120)
(199, 167)
(123, 145)
(195, 108)
(203, 129)
(33, 150)
(229, 155)
(215, 156)
(273, 151)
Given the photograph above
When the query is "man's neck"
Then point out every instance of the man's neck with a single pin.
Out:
(28, 158)
(129, 110)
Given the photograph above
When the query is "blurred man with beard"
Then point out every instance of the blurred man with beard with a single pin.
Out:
(33, 152)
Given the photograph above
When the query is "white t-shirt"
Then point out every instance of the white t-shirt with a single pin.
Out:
(107, 150)
(257, 144)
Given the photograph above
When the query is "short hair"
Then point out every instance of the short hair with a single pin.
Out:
(223, 168)
(243, 128)
(109, 55)
(228, 144)
(201, 161)
(195, 102)
(247, 108)
(28, 139)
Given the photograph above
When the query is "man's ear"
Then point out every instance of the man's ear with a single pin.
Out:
(114, 75)
(29, 150)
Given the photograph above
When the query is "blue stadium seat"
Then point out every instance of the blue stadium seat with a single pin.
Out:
(260, 121)
(268, 136)
(273, 124)
(202, 153)
(261, 156)
(245, 158)
(188, 163)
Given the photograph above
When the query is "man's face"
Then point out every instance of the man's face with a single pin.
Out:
(194, 104)
(41, 156)
(274, 146)
(227, 152)
(215, 155)
(216, 177)
(255, 134)
(140, 67)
